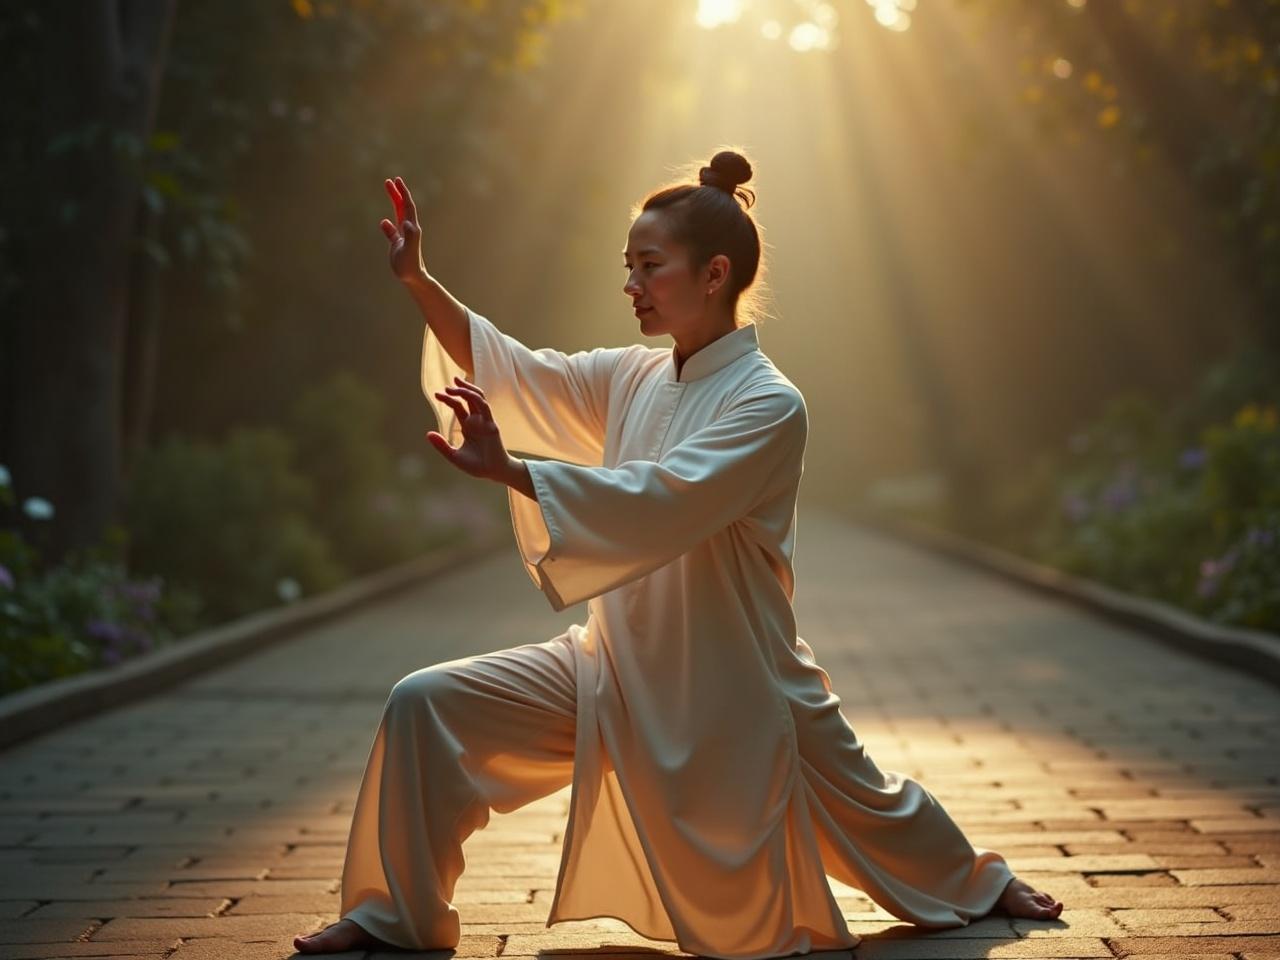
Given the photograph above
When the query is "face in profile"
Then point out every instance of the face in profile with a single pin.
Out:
(658, 278)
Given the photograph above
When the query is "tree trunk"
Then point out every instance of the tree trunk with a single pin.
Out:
(142, 346)
(102, 62)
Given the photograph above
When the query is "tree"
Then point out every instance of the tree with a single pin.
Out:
(99, 66)
(139, 213)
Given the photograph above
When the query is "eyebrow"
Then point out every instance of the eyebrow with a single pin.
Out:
(641, 253)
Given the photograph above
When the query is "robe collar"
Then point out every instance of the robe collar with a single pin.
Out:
(716, 354)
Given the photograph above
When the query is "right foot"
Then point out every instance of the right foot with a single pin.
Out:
(337, 937)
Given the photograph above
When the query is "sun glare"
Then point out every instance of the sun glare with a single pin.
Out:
(712, 13)
(806, 24)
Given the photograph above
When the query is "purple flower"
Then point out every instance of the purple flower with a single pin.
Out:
(1258, 537)
(1192, 458)
(110, 633)
(1076, 507)
(1120, 493)
(1212, 570)
(141, 591)
(6, 578)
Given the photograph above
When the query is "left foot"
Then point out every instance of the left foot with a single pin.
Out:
(1020, 899)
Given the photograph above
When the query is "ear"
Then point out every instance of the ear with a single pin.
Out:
(718, 268)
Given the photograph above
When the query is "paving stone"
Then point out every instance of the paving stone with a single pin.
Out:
(933, 949)
(1200, 878)
(143, 907)
(1227, 928)
(1092, 863)
(468, 946)
(1118, 775)
(1072, 922)
(1180, 946)
(554, 939)
(1144, 919)
(1170, 897)
(25, 930)
(53, 951)
(481, 896)
(234, 928)
(235, 889)
(1260, 911)
(1151, 848)
(1132, 880)
(217, 948)
(297, 903)
(13, 888)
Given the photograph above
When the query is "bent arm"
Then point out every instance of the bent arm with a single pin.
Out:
(447, 318)
(547, 403)
(591, 529)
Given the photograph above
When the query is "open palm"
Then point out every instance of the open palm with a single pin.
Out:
(405, 234)
(481, 453)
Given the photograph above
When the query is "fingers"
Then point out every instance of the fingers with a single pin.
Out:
(389, 229)
(438, 441)
(467, 383)
(474, 397)
(454, 404)
(394, 192)
(411, 209)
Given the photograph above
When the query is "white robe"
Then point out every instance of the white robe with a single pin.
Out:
(716, 782)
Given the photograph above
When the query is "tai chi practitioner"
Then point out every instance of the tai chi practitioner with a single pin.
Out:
(715, 781)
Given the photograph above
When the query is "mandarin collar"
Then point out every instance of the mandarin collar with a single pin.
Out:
(717, 354)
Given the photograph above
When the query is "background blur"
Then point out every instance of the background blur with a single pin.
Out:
(1021, 258)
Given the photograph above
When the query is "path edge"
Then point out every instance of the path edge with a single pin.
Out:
(37, 710)
(1255, 651)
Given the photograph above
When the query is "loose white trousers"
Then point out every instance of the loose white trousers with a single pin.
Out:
(465, 737)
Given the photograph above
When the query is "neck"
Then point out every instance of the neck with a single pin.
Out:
(690, 342)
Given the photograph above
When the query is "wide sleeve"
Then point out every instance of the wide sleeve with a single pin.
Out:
(592, 529)
(546, 403)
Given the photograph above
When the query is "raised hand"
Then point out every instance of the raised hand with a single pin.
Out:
(482, 453)
(405, 234)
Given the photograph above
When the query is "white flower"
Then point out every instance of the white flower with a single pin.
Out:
(37, 508)
(288, 589)
(5, 479)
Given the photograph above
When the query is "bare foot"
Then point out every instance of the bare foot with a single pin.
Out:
(337, 937)
(1020, 899)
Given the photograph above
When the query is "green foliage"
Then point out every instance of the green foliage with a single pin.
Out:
(85, 612)
(229, 528)
(1188, 514)
(230, 521)
(360, 506)
(1190, 87)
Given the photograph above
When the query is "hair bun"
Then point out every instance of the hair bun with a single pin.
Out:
(726, 171)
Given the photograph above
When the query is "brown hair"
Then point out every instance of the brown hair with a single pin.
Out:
(710, 217)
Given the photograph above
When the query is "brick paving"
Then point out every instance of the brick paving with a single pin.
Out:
(1136, 784)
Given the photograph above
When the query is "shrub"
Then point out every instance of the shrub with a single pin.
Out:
(337, 427)
(229, 521)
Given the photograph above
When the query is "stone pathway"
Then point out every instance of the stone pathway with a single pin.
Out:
(1136, 784)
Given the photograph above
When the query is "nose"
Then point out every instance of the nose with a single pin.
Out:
(631, 288)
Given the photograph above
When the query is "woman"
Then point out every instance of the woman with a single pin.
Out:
(715, 782)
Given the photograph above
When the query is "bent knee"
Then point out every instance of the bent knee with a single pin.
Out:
(429, 684)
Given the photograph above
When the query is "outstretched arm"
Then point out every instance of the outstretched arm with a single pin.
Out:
(443, 313)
